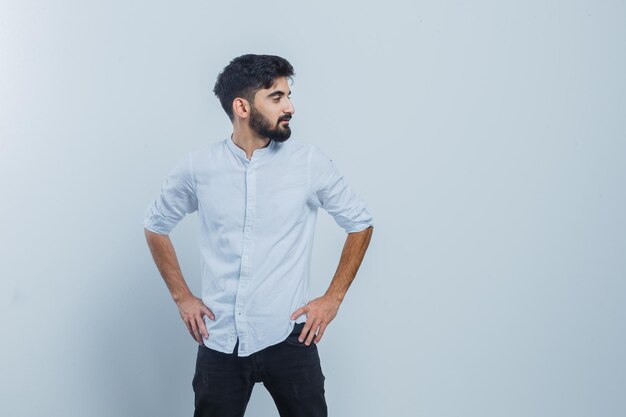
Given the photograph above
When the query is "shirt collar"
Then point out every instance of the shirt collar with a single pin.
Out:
(257, 154)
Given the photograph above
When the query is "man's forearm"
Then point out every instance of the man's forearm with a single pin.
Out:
(322, 310)
(191, 309)
(351, 257)
(165, 259)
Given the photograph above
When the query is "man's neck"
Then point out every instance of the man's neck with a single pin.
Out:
(248, 140)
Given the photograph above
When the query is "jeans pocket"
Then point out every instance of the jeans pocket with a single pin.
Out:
(292, 339)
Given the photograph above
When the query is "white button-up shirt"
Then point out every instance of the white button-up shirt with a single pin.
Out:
(257, 219)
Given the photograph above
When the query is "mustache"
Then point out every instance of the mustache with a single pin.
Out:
(284, 118)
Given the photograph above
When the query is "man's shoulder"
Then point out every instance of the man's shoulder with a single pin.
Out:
(314, 153)
(299, 146)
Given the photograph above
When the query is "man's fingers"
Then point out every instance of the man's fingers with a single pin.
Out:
(320, 333)
(206, 310)
(312, 332)
(189, 328)
(194, 327)
(296, 314)
(192, 311)
(202, 327)
(305, 330)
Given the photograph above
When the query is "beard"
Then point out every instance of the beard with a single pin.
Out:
(262, 125)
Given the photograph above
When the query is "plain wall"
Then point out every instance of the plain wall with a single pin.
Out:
(488, 138)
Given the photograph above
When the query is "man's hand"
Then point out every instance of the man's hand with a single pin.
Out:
(192, 310)
(320, 312)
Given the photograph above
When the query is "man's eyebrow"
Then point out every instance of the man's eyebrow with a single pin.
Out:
(278, 93)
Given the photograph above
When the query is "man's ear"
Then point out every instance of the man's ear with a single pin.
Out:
(241, 107)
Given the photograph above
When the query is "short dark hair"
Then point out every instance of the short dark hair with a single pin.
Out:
(247, 74)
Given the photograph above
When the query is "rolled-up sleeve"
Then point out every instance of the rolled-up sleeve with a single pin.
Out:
(332, 193)
(176, 199)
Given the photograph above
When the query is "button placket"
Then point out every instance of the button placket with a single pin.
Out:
(248, 243)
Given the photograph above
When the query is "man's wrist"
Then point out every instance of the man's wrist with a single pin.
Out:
(336, 297)
(181, 296)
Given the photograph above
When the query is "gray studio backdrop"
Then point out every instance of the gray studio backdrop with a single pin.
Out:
(488, 137)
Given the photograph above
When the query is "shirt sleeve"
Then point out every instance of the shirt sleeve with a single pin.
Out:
(332, 193)
(176, 200)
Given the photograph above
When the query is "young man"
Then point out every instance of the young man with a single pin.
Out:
(257, 195)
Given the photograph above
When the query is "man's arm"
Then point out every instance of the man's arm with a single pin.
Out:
(191, 308)
(322, 310)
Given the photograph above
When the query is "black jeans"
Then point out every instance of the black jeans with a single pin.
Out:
(290, 370)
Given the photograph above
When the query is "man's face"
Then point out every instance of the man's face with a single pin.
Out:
(271, 111)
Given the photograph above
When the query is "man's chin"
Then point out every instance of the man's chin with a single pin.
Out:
(281, 138)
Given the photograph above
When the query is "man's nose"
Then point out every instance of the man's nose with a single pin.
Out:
(290, 109)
